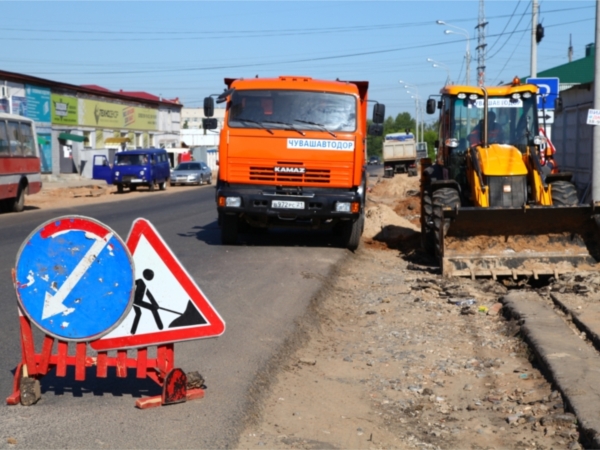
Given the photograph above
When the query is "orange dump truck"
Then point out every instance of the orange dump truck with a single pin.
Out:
(292, 153)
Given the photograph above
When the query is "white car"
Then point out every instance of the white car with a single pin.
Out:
(191, 172)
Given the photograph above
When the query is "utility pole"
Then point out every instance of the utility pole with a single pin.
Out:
(596, 135)
(481, 45)
(534, 22)
(570, 52)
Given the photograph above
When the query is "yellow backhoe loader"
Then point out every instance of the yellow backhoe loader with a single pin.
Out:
(489, 206)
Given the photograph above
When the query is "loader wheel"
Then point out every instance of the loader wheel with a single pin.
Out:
(563, 194)
(445, 197)
(427, 237)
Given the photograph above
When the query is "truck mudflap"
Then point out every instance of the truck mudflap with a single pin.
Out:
(529, 241)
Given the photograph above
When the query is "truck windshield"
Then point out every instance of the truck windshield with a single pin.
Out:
(300, 110)
(510, 121)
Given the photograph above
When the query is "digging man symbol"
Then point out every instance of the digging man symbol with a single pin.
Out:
(191, 315)
(138, 301)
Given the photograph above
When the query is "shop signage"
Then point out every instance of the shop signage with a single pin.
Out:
(64, 110)
(114, 115)
(38, 103)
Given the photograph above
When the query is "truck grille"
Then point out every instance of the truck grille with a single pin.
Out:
(265, 173)
(508, 191)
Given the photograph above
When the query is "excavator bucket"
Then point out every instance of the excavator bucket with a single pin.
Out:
(530, 241)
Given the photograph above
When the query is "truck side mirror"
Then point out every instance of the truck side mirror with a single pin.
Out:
(209, 107)
(558, 104)
(431, 104)
(375, 129)
(378, 113)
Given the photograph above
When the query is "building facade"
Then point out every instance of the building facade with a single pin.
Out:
(71, 118)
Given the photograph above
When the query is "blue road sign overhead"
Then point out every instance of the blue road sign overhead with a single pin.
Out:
(74, 278)
(549, 88)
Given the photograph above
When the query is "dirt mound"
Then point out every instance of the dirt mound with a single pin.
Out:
(393, 211)
(396, 187)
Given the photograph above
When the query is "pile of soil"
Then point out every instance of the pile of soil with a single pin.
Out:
(393, 211)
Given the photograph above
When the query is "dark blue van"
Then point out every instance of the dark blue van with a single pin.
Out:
(144, 167)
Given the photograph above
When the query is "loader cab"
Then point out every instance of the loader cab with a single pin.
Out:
(510, 119)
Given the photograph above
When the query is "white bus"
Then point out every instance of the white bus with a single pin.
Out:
(19, 161)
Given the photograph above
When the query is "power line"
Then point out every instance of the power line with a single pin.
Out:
(511, 33)
(230, 34)
(293, 61)
(505, 26)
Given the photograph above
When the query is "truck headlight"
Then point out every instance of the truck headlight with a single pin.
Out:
(342, 206)
(235, 202)
(117, 173)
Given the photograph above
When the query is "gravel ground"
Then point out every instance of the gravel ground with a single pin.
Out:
(398, 357)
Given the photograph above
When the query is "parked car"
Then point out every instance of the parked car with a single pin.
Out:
(191, 172)
(144, 167)
(374, 160)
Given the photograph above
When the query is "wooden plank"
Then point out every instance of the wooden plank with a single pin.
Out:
(44, 364)
(121, 363)
(142, 361)
(101, 368)
(61, 360)
(27, 345)
(80, 351)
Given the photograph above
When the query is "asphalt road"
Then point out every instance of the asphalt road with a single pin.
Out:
(260, 289)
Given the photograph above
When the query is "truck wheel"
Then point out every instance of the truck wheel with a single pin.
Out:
(151, 186)
(163, 186)
(352, 231)
(445, 197)
(427, 237)
(412, 172)
(563, 193)
(229, 229)
(120, 188)
(132, 187)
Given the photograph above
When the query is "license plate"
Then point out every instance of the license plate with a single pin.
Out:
(284, 204)
(136, 180)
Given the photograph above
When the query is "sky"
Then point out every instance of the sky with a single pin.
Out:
(186, 49)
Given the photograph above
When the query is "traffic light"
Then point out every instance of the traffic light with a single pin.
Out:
(539, 33)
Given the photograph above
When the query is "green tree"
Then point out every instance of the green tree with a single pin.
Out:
(185, 125)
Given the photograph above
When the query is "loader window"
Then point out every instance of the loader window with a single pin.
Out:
(513, 120)
(282, 109)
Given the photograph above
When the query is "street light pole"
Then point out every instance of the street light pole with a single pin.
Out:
(465, 33)
(441, 65)
(417, 98)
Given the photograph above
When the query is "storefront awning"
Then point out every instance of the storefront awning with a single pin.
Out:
(71, 137)
(116, 140)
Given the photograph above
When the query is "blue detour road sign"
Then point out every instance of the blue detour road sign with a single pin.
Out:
(548, 91)
(74, 278)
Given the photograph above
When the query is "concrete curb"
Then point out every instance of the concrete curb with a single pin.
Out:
(572, 365)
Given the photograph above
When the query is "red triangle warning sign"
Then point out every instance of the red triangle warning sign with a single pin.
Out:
(168, 306)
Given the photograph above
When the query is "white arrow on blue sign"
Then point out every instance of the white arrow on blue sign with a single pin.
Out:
(74, 278)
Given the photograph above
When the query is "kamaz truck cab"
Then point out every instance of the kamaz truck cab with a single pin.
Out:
(292, 153)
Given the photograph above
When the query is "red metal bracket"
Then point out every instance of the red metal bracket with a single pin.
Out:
(160, 369)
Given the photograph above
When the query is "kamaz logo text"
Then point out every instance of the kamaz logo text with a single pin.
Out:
(289, 169)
